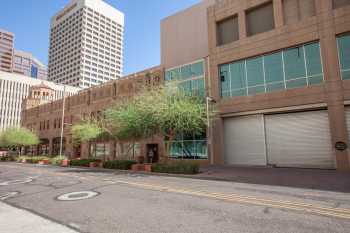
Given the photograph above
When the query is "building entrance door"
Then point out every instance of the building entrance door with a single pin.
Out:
(152, 153)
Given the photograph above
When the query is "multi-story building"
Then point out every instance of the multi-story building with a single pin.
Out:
(6, 50)
(46, 119)
(14, 88)
(86, 44)
(281, 84)
(26, 64)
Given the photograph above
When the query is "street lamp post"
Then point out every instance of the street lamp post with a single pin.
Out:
(62, 120)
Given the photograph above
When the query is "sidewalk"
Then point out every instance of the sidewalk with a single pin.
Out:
(13, 220)
(329, 180)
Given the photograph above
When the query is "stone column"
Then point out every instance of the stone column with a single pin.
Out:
(333, 82)
(278, 13)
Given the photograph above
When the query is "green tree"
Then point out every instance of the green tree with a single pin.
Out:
(165, 111)
(130, 121)
(16, 138)
(85, 132)
(179, 113)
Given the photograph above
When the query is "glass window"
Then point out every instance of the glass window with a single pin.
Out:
(344, 56)
(168, 76)
(313, 62)
(173, 75)
(186, 72)
(290, 68)
(225, 81)
(238, 76)
(255, 75)
(190, 78)
(273, 68)
(294, 63)
(197, 69)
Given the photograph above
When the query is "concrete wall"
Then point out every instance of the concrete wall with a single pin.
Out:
(323, 27)
(184, 36)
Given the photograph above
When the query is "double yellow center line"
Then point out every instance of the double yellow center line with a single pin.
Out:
(295, 206)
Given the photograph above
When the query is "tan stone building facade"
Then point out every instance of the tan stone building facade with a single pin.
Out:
(314, 116)
(279, 71)
(46, 119)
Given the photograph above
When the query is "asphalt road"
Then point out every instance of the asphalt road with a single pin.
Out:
(134, 203)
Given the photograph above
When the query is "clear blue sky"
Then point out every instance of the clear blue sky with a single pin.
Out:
(29, 20)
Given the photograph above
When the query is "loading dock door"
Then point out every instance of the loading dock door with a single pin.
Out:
(244, 141)
(299, 140)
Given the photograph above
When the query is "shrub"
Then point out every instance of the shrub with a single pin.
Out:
(119, 164)
(176, 168)
(33, 159)
(57, 161)
(7, 158)
(83, 162)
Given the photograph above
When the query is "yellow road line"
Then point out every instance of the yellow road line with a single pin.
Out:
(301, 207)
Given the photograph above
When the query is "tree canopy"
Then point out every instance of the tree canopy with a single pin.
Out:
(85, 131)
(165, 111)
(18, 137)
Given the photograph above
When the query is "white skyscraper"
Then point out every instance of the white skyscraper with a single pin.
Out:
(86, 44)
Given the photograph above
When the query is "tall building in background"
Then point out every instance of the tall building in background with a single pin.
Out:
(15, 88)
(6, 50)
(86, 44)
(24, 63)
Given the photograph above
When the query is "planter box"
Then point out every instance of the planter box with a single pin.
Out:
(44, 162)
(142, 167)
(95, 164)
(65, 163)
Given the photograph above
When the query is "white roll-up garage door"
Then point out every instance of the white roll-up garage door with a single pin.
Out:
(299, 140)
(244, 140)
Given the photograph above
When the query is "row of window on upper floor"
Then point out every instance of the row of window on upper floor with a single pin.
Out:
(261, 18)
(286, 69)
(185, 72)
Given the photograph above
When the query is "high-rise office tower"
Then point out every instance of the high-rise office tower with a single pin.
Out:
(6, 50)
(26, 64)
(86, 44)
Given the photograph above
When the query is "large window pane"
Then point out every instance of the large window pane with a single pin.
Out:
(167, 76)
(294, 63)
(289, 68)
(200, 87)
(186, 86)
(173, 75)
(225, 81)
(344, 55)
(186, 72)
(313, 59)
(273, 68)
(255, 74)
(197, 69)
(237, 73)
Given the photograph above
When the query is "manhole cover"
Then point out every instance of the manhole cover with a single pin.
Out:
(5, 196)
(76, 196)
(13, 182)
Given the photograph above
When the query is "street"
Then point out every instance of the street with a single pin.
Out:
(105, 201)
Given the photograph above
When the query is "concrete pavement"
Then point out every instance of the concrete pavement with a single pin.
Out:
(15, 220)
(132, 203)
